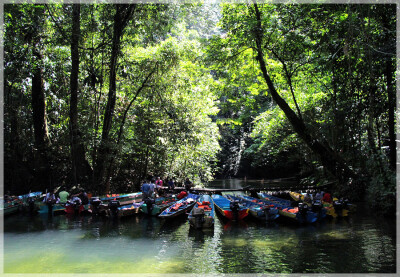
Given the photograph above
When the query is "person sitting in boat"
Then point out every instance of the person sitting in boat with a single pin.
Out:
(307, 198)
(84, 197)
(74, 199)
(50, 198)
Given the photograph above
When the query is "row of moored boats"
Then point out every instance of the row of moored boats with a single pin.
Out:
(198, 208)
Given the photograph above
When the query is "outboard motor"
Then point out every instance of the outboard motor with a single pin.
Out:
(95, 205)
(338, 207)
(31, 204)
(77, 206)
(316, 206)
(198, 214)
(149, 203)
(234, 206)
(266, 210)
(113, 206)
(345, 203)
(303, 208)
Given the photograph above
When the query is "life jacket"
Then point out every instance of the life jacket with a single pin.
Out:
(182, 194)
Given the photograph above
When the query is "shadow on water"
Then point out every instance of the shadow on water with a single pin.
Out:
(361, 243)
(172, 225)
(200, 235)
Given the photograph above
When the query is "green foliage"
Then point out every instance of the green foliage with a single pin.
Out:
(191, 97)
(331, 64)
(165, 99)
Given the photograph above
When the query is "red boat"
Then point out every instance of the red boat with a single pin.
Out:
(231, 210)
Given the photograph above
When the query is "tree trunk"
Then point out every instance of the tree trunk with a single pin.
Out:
(42, 166)
(80, 167)
(392, 106)
(39, 106)
(122, 16)
(331, 161)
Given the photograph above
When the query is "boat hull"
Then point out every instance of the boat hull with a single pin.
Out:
(222, 205)
(289, 212)
(128, 210)
(158, 207)
(258, 209)
(207, 220)
(180, 207)
(57, 208)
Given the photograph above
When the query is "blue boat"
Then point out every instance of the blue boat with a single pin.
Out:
(202, 215)
(130, 209)
(231, 210)
(258, 208)
(180, 207)
(29, 201)
(300, 214)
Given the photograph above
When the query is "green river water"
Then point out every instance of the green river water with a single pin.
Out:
(361, 243)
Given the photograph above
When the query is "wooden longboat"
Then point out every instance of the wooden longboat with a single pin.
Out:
(101, 205)
(335, 209)
(180, 207)
(130, 209)
(298, 214)
(202, 214)
(259, 209)
(224, 207)
(11, 207)
(159, 205)
(124, 199)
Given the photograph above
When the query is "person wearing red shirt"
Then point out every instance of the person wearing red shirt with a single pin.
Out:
(327, 197)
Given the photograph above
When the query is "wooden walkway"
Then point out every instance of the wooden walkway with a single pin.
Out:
(250, 189)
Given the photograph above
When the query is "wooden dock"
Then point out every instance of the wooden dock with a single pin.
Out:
(252, 190)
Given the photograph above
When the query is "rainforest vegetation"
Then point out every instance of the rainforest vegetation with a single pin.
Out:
(104, 95)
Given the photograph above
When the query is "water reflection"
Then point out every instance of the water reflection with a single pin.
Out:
(142, 244)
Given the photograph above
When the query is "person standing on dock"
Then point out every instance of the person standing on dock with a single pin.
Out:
(84, 197)
(159, 184)
(50, 200)
(188, 184)
(170, 183)
(146, 189)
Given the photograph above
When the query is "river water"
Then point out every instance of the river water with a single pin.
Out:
(361, 243)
